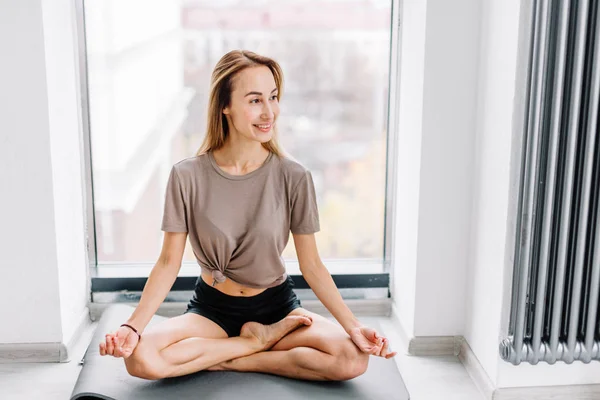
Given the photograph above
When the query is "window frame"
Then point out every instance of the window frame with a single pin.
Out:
(102, 280)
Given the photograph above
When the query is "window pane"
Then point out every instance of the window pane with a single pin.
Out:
(149, 65)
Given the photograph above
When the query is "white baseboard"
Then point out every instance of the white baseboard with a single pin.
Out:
(45, 352)
(568, 392)
(487, 388)
(30, 352)
(475, 370)
(434, 345)
(425, 345)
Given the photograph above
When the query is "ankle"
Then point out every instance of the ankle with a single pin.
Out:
(254, 343)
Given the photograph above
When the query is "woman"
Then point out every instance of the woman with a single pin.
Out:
(238, 199)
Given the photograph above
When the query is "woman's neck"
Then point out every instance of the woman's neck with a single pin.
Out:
(240, 158)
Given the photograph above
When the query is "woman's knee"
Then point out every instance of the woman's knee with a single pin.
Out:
(145, 363)
(350, 362)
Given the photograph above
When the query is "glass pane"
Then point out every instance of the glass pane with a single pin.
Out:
(149, 65)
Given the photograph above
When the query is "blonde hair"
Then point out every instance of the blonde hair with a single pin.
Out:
(221, 86)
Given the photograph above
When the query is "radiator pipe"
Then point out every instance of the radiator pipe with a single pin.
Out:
(567, 202)
(508, 352)
(588, 157)
(539, 72)
(551, 172)
(595, 263)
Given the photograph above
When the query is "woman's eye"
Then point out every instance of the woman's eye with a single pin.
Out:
(254, 101)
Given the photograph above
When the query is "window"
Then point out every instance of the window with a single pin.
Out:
(148, 71)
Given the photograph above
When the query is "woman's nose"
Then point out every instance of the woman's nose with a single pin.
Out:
(267, 112)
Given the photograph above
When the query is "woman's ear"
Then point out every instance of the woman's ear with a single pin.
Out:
(226, 111)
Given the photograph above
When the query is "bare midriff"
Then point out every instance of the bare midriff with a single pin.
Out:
(230, 287)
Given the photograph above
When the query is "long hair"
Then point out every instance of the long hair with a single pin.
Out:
(221, 86)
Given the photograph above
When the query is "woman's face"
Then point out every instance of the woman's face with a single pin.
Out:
(254, 106)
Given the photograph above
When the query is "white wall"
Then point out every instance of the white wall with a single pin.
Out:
(449, 90)
(408, 168)
(30, 310)
(42, 261)
(491, 195)
(439, 46)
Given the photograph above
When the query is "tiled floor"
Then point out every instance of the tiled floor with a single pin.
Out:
(427, 378)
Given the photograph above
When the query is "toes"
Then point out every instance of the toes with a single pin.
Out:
(305, 319)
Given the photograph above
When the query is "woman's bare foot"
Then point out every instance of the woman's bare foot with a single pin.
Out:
(268, 335)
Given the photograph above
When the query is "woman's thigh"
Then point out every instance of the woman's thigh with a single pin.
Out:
(174, 329)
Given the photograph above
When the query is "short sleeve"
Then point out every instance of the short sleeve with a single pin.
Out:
(304, 212)
(175, 213)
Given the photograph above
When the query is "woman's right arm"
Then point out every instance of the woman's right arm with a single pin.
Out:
(160, 281)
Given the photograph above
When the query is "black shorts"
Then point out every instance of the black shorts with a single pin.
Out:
(231, 312)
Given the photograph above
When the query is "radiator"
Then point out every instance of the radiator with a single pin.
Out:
(556, 279)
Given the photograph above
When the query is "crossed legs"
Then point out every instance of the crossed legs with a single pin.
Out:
(321, 351)
(304, 345)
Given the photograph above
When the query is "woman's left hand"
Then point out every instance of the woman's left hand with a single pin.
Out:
(369, 341)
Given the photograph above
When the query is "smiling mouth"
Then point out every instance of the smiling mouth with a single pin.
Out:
(264, 127)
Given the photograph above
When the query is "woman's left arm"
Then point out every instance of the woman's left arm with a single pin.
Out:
(319, 279)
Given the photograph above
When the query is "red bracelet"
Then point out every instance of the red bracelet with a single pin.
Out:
(135, 330)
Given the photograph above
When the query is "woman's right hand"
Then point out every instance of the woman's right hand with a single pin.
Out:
(120, 343)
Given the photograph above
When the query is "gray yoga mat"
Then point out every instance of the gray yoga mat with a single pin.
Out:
(106, 378)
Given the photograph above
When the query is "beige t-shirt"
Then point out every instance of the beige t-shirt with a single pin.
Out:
(238, 225)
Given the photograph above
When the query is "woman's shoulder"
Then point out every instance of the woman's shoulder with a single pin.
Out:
(293, 170)
(190, 163)
(292, 166)
(190, 166)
